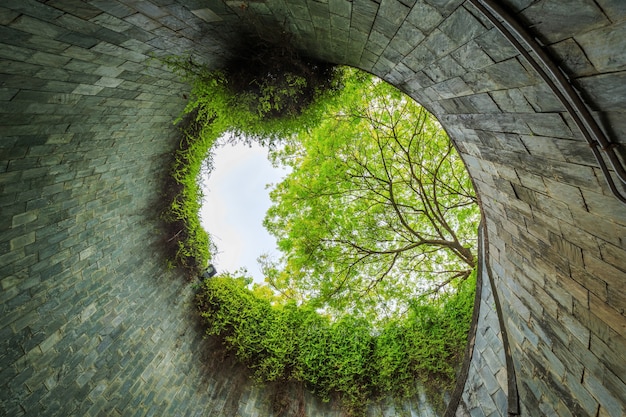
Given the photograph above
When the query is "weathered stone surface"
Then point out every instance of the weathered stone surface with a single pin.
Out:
(90, 316)
(557, 21)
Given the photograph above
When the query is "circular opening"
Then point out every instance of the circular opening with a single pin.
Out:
(377, 223)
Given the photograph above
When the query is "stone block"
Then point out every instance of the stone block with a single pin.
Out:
(6, 94)
(472, 57)
(487, 375)
(542, 99)
(417, 60)
(393, 11)
(597, 230)
(172, 22)
(484, 404)
(617, 297)
(438, 43)
(512, 100)
(570, 56)
(615, 385)
(461, 26)
(594, 281)
(33, 8)
(21, 241)
(453, 87)
(150, 9)
(37, 27)
(483, 103)
(605, 91)
(424, 16)
(340, 8)
(77, 25)
(106, 48)
(377, 43)
(7, 16)
(614, 256)
(444, 69)
(23, 218)
(574, 256)
(559, 21)
(496, 46)
(46, 59)
(113, 7)
(86, 89)
(606, 399)
(604, 206)
(43, 44)
(615, 9)
(607, 314)
(405, 39)
(76, 8)
(572, 196)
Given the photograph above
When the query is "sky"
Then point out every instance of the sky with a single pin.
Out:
(234, 205)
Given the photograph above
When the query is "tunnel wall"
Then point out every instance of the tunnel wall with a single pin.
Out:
(485, 387)
(93, 323)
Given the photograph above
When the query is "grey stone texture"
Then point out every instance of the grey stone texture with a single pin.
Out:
(485, 392)
(92, 322)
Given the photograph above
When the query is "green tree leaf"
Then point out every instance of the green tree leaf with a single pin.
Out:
(378, 208)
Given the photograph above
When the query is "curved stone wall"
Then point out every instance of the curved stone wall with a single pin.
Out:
(485, 387)
(93, 324)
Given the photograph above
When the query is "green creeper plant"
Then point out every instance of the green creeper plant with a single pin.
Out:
(348, 359)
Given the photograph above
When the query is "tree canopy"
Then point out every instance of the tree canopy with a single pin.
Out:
(378, 208)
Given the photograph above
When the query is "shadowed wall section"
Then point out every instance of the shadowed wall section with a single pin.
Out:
(93, 324)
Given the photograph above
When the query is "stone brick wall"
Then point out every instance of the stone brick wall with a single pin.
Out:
(93, 324)
(486, 385)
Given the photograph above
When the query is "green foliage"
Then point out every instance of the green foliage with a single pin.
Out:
(224, 101)
(348, 359)
(190, 243)
(259, 106)
(378, 207)
(248, 325)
